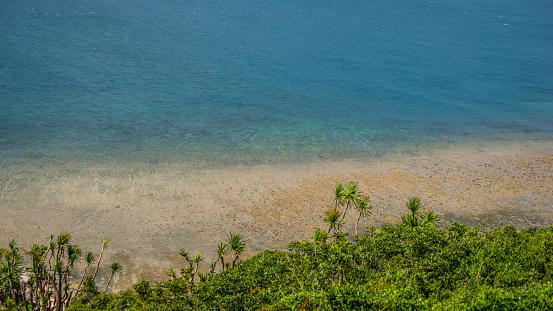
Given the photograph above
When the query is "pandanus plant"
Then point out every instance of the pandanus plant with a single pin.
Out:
(115, 268)
(332, 220)
(221, 250)
(48, 287)
(417, 218)
(185, 272)
(339, 198)
(10, 272)
(349, 196)
(364, 210)
(89, 259)
(190, 271)
(236, 244)
(196, 260)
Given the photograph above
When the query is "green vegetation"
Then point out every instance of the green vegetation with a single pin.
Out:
(350, 196)
(408, 266)
(47, 287)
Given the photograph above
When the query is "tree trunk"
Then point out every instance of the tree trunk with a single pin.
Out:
(99, 259)
(344, 215)
(109, 280)
(357, 223)
(59, 293)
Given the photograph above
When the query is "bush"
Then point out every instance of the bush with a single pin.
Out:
(392, 268)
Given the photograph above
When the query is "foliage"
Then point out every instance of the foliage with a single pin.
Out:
(364, 210)
(412, 265)
(46, 286)
(417, 218)
(10, 273)
(394, 267)
(236, 244)
(332, 218)
(349, 196)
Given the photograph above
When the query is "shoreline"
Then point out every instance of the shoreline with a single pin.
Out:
(150, 212)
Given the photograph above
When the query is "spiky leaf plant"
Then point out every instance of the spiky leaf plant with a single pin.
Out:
(351, 197)
(364, 210)
(320, 236)
(332, 220)
(417, 218)
(339, 198)
(415, 206)
(236, 244)
(171, 273)
(221, 250)
(430, 219)
(115, 268)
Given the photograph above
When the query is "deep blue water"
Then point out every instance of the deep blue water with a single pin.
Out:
(260, 81)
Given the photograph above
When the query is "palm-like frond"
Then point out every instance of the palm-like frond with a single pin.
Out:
(351, 196)
(10, 270)
(236, 243)
(89, 258)
(430, 219)
(363, 206)
(37, 252)
(63, 239)
(417, 218)
(116, 267)
(184, 254)
(197, 258)
(332, 220)
(410, 220)
(414, 205)
(104, 246)
(320, 236)
(221, 249)
(339, 198)
(74, 253)
(351, 193)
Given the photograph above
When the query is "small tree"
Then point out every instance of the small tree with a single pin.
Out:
(115, 268)
(350, 196)
(339, 198)
(48, 287)
(236, 245)
(221, 250)
(10, 273)
(417, 218)
(332, 220)
(104, 246)
(364, 210)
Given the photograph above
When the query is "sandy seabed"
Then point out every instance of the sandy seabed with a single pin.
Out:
(150, 211)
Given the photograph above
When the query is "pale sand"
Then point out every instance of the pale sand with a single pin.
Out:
(150, 211)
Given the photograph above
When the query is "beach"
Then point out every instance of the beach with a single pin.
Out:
(169, 125)
(151, 210)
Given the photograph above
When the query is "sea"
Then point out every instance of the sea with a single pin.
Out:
(250, 82)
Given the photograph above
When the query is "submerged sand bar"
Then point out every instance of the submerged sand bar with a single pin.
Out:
(149, 211)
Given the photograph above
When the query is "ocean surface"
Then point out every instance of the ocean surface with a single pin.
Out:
(270, 81)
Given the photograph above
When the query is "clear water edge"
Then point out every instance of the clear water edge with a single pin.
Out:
(251, 83)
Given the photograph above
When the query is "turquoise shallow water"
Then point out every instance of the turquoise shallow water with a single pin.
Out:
(267, 81)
